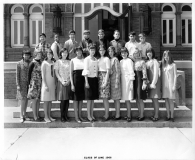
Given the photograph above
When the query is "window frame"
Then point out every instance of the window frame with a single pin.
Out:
(166, 15)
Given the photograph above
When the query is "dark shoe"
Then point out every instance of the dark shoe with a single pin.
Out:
(37, 120)
(90, 120)
(115, 119)
(105, 119)
(63, 120)
(137, 117)
(129, 119)
(152, 118)
(67, 119)
(172, 119)
(22, 120)
(167, 119)
(155, 119)
(141, 118)
(94, 119)
(78, 120)
(124, 118)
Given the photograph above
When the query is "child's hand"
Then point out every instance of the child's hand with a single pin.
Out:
(18, 88)
(152, 86)
(73, 88)
(131, 85)
(144, 86)
(64, 83)
(173, 89)
(46, 88)
(87, 85)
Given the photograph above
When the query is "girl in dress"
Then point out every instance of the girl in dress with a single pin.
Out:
(62, 70)
(104, 80)
(127, 78)
(115, 83)
(154, 80)
(22, 82)
(169, 77)
(35, 80)
(77, 83)
(140, 83)
(48, 85)
(91, 81)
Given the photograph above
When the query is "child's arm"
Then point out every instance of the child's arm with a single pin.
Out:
(71, 75)
(175, 77)
(155, 77)
(18, 70)
(107, 72)
(144, 72)
(31, 66)
(43, 73)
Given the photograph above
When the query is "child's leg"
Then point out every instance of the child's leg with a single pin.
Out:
(26, 104)
(117, 107)
(49, 111)
(138, 106)
(171, 104)
(141, 108)
(91, 111)
(167, 107)
(66, 109)
(106, 106)
(75, 104)
(46, 107)
(80, 103)
(156, 107)
(128, 104)
(89, 102)
(22, 107)
(37, 107)
(34, 108)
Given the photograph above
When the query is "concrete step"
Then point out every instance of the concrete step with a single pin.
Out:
(181, 111)
(179, 123)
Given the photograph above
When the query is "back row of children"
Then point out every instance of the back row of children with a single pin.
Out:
(90, 71)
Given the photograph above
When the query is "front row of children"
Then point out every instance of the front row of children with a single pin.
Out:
(90, 79)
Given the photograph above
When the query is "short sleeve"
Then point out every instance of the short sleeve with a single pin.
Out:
(86, 67)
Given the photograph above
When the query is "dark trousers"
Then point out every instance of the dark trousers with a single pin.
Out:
(64, 105)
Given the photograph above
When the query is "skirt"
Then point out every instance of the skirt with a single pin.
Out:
(138, 92)
(91, 93)
(103, 92)
(63, 92)
(79, 84)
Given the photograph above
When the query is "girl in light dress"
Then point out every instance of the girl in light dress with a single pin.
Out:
(169, 78)
(90, 73)
(104, 80)
(62, 71)
(48, 85)
(154, 80)
(115, 81)
(77, 83)
(127, 78)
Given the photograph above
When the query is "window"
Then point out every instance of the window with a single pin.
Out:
(186, 28)
(36, 24)
(17, 26)
(168, 25)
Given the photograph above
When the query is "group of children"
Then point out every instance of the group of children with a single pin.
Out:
(95, 70)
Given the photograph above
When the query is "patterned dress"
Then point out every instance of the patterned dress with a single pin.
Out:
(22, 79)
(140, 74)
(35, 80)
(115, 93)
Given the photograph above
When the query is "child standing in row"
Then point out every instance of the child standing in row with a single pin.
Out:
(22, 70)
(48, 85)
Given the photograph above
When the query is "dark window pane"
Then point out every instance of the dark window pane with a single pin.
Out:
(170, 31)
(93, 27)
(15, 32)
(106, 4)
(78, 8)
(36, 10)
(40, 28)
(34, 32)
(186, 8)
(96, 4)
(167, 9)
(78, 29)
(183, 31)
(116, 7)
(125, 5)
(21, 32)
(18, 10)
(105, 14)
(189, 31)
(164, 31)
(87, 7)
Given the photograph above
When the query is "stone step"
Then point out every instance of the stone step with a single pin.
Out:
(179, 123)
(181, 111)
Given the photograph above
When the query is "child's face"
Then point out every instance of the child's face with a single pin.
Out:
(124, 55)
(92, 52)
(64, 54)
(42, 39)
(116, 35)
(149, 55)
(136, 54)
(86, 35)
(111, 53)
(56, 38)
(79, 53)
(166, 57)
(132, 37)
(102, 52)
(142, 39)
(72, 36)
(26, 57)
(49, 55)
(101, 35)
(39, 55)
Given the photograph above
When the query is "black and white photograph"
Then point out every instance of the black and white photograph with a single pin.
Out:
(86, 80)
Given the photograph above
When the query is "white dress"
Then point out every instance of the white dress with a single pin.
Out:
(127, 75)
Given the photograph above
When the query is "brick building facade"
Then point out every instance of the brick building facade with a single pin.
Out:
(168, 27)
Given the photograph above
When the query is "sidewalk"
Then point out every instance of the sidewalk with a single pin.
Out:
(88, 143)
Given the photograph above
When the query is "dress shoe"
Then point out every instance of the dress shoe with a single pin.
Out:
(78, 120)
(67, 119)
(47, 121)
(172, 120)
(115, 119)
(124, 118)
(22, 120)
(167, 119)
(63, 120)
(129, 119)
(105, 119)
(90, 120)
(141, 118)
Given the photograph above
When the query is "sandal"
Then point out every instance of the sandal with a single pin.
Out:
(155, 119)
(152, 117)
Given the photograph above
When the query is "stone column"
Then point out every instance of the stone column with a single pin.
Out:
(7, 20)
(178, 28)
(26, 30)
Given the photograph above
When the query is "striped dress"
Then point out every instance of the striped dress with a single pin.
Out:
(115, 93)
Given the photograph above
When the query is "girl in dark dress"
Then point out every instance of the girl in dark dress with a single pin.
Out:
(77, 83)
